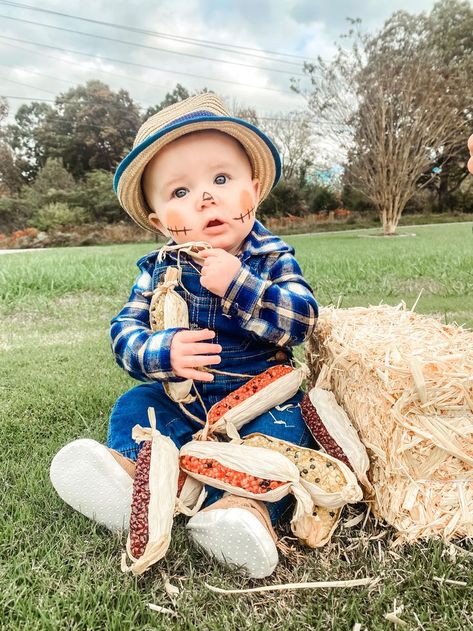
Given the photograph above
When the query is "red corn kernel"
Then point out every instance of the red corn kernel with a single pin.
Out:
(251, 387)
(232, 477)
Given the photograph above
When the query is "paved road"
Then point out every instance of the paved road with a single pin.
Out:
(22, 250)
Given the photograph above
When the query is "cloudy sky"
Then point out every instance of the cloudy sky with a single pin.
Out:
(246, 50)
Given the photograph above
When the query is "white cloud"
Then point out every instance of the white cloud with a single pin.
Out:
(297, 27)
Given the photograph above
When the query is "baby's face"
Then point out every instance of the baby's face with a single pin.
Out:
(200, 188)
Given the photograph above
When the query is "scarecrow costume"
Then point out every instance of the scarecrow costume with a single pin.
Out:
(267, 309)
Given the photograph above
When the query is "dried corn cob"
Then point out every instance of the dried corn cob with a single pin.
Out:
(319, 431)
(249, 389)
(275, 385)
(330, 482)
(329, 519)
(258, 467)
(332, 429)
(213, 469)
(169, 310)
(140, 503)
(155, 489)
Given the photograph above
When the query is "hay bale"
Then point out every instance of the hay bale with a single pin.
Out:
(406, 382)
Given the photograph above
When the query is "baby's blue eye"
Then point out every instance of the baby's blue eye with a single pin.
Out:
(220, 179)
(179, 192)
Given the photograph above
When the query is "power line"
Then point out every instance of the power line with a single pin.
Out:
(26, 98)
(131, 63)
(73, 100)
(26, 85)
(52, 116)
(107, 72)
(193, 41)
(145, 46)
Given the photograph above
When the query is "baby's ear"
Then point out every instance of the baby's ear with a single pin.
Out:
(154, 219)
(256, 189)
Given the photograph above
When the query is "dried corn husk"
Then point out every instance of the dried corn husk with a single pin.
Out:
(329, 520)
(274, 393)
(169, 310)
(262, 463)
(163, 485)
(406, 382)
(191, 497)
(330, 482)
(339, 428)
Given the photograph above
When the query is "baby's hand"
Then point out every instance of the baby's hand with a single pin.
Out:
(470, 147)
(187, 352)
(218, 270)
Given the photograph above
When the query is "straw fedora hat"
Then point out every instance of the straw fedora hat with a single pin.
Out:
(205, 111)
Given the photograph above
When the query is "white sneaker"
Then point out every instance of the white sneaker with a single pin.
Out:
(89, 478)
(240, 534)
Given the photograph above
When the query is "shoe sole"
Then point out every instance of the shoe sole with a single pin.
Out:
(236, 537)
(88, 478)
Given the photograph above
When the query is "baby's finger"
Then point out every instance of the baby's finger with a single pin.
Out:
(201, 348)
(198, 375)
(200, 360)
(196, 334)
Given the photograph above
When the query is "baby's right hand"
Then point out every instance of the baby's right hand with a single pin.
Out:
(188, 352)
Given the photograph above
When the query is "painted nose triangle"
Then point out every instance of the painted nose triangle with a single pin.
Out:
(207, 197)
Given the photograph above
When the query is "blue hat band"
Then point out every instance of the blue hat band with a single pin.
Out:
(195, 117)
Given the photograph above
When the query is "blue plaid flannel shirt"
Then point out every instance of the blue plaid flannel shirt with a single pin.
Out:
(280, 308)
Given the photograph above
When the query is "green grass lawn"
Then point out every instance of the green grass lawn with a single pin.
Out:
(59, 381)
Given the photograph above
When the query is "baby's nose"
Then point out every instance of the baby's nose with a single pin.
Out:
(207, 199)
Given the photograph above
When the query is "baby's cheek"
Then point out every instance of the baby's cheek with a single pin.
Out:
(246, 201)
(174, 219)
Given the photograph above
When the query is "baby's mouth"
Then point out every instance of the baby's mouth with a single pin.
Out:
(214, 222)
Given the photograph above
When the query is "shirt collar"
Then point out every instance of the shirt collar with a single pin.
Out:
(263, 241)
(260, 241)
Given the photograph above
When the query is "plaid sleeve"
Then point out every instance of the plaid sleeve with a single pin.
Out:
(280, 308)
(142, 353)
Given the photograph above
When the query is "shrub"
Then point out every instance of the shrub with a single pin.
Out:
(57, 214)
(355, 201)
(14, 213)
(53, 177)
(285, 199)
(324, 199)
(95, 194)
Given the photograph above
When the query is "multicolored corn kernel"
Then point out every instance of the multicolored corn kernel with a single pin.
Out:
(319, 431)
(313, 466)
(213, 469)
(139, 507)
(249, 389)
(139, 533)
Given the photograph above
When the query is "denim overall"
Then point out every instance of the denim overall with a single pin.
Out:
(242, 352)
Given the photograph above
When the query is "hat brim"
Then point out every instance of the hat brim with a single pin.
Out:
(262, 153)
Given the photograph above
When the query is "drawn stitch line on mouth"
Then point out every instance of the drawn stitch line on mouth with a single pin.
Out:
(176, 230)
(243, 216)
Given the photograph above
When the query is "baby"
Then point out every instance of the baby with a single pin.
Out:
(197, 174)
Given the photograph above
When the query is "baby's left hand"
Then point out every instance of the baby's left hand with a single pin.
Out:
(218, 270)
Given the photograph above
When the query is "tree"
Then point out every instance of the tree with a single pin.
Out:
(92, 128)
(24, 138)
(10, 177)
(450, 32)
(294, 137)
(180, 93)
(389, 110)
(52, 177)
(89, 127)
